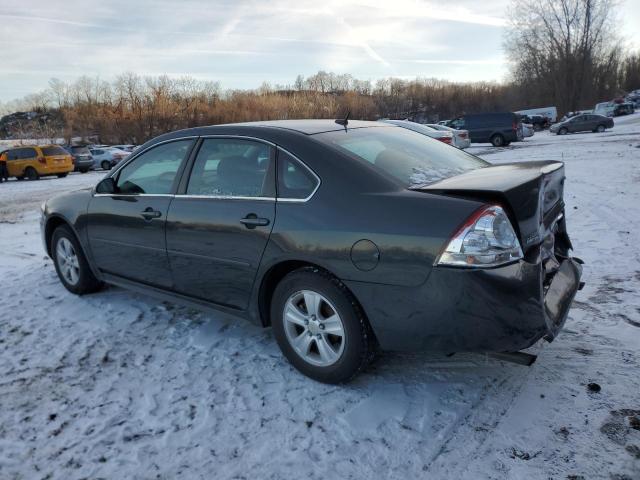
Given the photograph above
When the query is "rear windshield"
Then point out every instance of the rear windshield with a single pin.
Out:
(412, 158)
(53, 150)
(80, 150)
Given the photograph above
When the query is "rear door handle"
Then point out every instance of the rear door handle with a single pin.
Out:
(253, 221)
(149, 213)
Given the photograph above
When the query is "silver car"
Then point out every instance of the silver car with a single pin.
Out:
(461, 138)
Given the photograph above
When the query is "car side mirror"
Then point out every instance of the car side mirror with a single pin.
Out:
(106, 185)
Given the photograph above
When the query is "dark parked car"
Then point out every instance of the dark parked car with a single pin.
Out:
(82, 159)
(623, 109)
(539, 122)
(499, 129)
(586, 122)
(343, 238)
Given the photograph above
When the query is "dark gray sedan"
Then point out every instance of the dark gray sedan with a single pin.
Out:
(344, 238)
(586, 122)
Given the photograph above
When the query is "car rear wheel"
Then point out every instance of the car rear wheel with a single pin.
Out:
(562, 131)
(106, 165)
(31, 173)
(600, 128)
(497, 140)
(320, 327)
(62, 175)
(71, 265)
(84, 170)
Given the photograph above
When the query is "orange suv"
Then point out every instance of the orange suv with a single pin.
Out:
(37, 161)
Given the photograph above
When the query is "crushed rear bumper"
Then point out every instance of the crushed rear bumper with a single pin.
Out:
(503, 309)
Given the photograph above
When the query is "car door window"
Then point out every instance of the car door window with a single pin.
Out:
(232, 167)
(153, 172)
(295, 180)
(26, 153)
(13, 155)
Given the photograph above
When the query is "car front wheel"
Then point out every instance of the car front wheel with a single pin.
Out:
(106, 165)
(562, 131)
(600, 128)
(320, 327)
(71, 265)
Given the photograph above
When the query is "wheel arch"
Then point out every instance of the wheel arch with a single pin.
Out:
(275, 274)
(53, 222)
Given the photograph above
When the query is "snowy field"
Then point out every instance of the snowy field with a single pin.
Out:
(116, 385)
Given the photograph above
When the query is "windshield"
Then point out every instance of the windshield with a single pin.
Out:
(413, 159)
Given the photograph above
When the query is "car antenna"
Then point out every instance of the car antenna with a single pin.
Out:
(344, 121)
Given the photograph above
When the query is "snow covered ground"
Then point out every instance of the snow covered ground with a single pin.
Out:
(117, 385)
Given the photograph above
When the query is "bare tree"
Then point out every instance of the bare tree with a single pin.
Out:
(564, 52)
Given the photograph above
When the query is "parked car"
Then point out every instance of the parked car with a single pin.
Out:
(605, 109)
(626, 108)
(81, 156)
(344, 238)
(550, 114)
(460, 137)
(127, 147)
(582, 123)
(107, 157)
(538, 122)
(443, 136)
(35, 161)
(499, 129)
(527, 129)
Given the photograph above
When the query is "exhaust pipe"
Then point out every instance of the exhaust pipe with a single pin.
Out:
(521, 358)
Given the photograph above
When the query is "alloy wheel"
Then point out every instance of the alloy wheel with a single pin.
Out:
(314, 328)
(67, 261)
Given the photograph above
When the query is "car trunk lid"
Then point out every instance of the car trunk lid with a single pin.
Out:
(532, 193)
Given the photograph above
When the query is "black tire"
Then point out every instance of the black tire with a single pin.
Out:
(19, 178)
(497, 140)
(600, 128)
(359, 342)
(62, 175)
(563, 131)
(31, 173)
(84, 170)
(87, 282)
(106, 165)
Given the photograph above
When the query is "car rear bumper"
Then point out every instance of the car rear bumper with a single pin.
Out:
(55, 169)
(501, 309)
(84, 163)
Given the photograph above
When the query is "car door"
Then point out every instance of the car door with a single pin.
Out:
(219, 225)
(126, 229)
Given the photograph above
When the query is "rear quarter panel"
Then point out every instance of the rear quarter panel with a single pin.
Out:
(408, 228)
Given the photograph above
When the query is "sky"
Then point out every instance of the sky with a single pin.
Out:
(242, 44)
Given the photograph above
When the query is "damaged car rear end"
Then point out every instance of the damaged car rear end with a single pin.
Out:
(511, 259)
(501, 279)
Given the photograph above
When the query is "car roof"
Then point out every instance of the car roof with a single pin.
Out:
(308, 127)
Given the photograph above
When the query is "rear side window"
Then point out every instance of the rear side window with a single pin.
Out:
(80, 150)
(295, 181)
(154, 171)
(26, 153)
(53, 150)
(232, 167)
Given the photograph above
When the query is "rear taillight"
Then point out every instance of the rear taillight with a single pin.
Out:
(446, 140)
(486, 239)
(515, 125)
(42, 160)
(463, 135)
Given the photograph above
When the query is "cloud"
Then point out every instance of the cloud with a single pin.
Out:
(245, 42)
